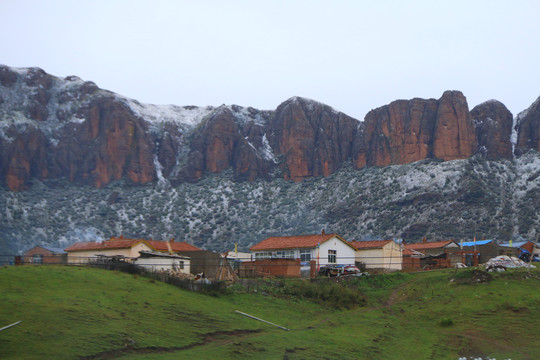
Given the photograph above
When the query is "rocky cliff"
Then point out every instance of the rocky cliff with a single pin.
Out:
(53, 128)
(214, 176)
(493, 123)
(410, 130)
(528, 129)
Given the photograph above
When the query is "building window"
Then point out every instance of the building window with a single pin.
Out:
(284, 254)
(181, 265)
(332, 256)
(37, 259)
(305, 255)
(262, 255)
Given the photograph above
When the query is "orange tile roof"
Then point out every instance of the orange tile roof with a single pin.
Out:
(294, 242)
(428, 245)
(123, 243)
(175, 245)
(375, 244)
(109, 244)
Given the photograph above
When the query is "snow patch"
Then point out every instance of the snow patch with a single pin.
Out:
(159, 172)
(189, 116)
(266, 151)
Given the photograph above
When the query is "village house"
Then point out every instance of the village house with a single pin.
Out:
(488, 249)
(83, 252)
(436, 253)
(528, 247)
(44, 254)
(411, 259)
(378, 254)
(294, 256)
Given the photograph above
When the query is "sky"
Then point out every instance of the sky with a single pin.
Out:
(352, 55)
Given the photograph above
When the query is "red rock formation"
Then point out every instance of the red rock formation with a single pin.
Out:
(410, 130)
(312, 138)
(109, 145)
(493, 122)
(455, 135)
(25, 158)
(75, 130)
(528, 129)
(220, 143)
(401, 132)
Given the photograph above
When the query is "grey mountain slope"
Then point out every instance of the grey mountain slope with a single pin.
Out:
(439, 200)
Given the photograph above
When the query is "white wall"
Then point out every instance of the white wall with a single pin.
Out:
(163, 264)
(345, 255)
(373, 258)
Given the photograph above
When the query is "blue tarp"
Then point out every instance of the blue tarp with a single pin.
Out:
(478, 242)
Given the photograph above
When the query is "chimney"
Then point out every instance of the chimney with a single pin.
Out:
(424, 240)
(172, 240)
(121, 236)
(323, 232)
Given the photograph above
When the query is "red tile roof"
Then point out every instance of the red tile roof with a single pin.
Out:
(123, 243)
(295, 242)
(364, 245)
(109, 244)
(428, 245)
(175, 245)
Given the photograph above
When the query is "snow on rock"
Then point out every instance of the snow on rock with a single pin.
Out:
(189, 116)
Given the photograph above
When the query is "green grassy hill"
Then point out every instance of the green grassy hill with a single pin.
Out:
(85, 313)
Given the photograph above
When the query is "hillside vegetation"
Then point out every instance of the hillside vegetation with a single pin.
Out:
(439, 200)
(85, 313)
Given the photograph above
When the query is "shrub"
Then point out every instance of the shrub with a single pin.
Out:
(445, 322)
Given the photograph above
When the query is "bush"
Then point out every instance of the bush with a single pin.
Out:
(330, 293)
(445, 322)
(325, 293)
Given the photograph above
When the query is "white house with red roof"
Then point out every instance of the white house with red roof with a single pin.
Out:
(379, 254)
(325, 249)
(86, 251)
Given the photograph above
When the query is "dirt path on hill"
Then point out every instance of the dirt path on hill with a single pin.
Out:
(393, 298)
(218, 338)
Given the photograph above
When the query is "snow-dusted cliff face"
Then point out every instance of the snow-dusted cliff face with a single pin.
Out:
(54, 128)
(97, 145)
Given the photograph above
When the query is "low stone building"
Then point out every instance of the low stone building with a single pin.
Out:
(129, 249)
(488, 249)
(436, 254)
(44, 254)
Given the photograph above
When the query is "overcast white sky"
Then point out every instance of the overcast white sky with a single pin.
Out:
(351, 55)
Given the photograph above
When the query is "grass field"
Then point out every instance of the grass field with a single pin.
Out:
(85, 313)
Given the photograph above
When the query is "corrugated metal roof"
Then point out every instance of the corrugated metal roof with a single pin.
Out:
(161, 255)
(175, 245)
(429, 245)
(411, 252)
(53, 249)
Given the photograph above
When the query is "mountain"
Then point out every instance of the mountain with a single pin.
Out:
(78, 161)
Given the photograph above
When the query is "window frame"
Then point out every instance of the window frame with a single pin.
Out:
(332, 256)
(37, 259)
(305, 255)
